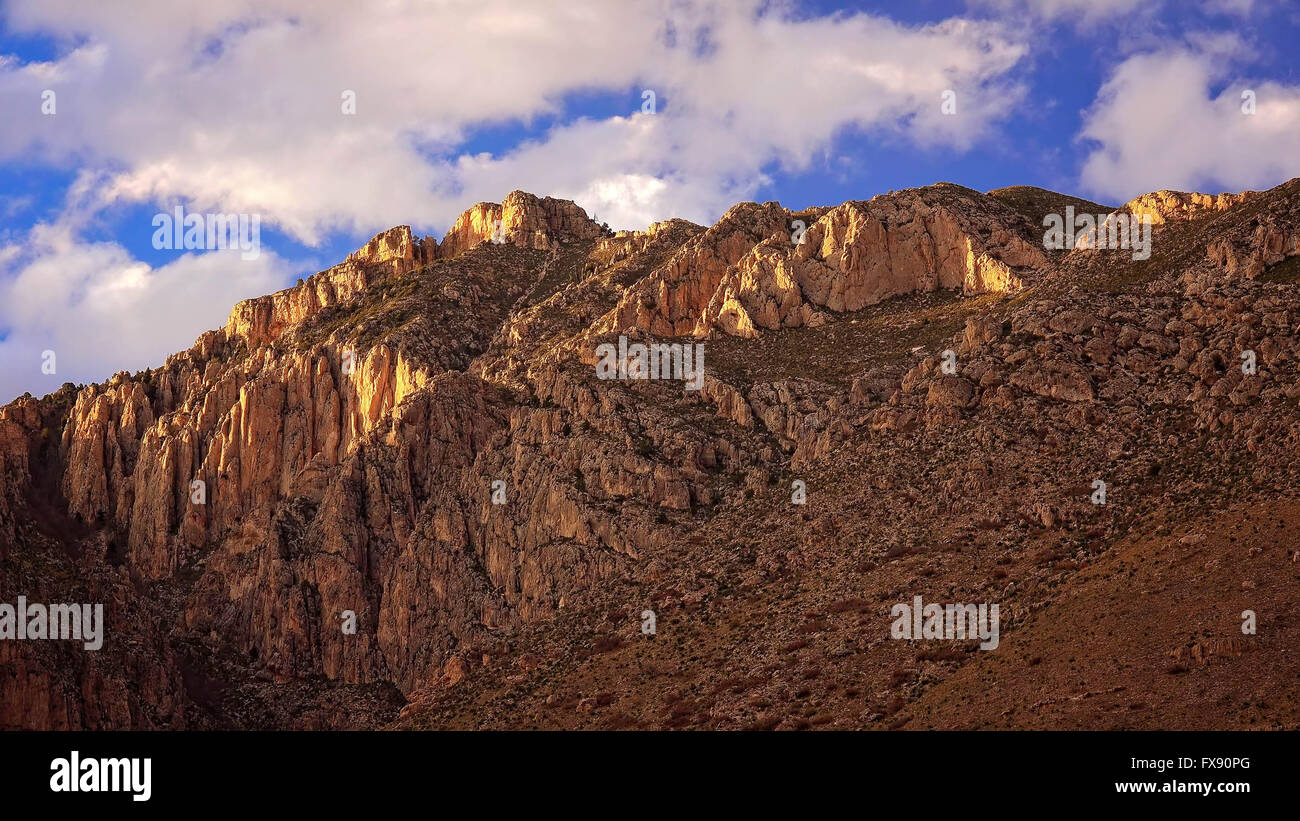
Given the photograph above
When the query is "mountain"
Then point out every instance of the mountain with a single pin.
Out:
(418, 442)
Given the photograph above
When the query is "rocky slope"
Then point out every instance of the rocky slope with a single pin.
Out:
(416, 440)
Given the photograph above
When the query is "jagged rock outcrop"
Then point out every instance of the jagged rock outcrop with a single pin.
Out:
(1269, 244)
(1246, 248)
(1175, 206)
(258, 322)
(749, 272)
(524, 220)
(670, 300)
(861, 253)
(397, 247)
(102, 440)
(475, 226)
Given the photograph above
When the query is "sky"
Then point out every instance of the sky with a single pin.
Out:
(328, 121)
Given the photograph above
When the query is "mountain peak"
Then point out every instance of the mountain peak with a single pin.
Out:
(524, 219)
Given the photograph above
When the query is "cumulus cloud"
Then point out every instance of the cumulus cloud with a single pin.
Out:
(1174, 119)
(237, 106)
(101, 311)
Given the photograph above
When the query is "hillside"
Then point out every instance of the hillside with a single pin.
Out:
(420, 436)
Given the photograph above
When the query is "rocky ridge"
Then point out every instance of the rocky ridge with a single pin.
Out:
(350, 435)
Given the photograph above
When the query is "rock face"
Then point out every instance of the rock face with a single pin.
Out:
(749, 272)
(1248, 253)
(18, 421)
(671, 300)
(401, 481)
(396, 246)
(525, 220)
(1177, 206)
(861, 253)
(259, 322)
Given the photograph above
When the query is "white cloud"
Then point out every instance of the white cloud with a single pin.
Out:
(236, 105)
(772, 94)
(101, 311)
(1172, 119)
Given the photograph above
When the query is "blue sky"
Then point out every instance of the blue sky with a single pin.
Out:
(235, 107)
